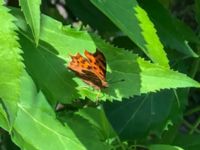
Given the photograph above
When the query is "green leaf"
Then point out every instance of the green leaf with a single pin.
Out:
(134, 22)
(164, 147)
(139, 76)
(150, 73)
(188, 142)
(98, 119)
(48, 70)
(36, 123)
(165, 3)
(137, 117)
(173, 33)
(85, 131)
(4, 120)
(11, 67)
(31, 9)
(2, 2)
(197, 10)
(87, 13)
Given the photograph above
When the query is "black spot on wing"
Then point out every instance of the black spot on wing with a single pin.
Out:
(100, 61)
(90, 76)
(89, 67)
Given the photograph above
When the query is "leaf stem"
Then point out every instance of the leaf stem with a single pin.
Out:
(133, 147)
(177, 98)
(190, 126)
(194, 128)
(195, 68)
(191, 111)
(120, 143)
(195, 65)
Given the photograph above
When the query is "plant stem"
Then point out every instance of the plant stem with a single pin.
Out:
(177, 98)
(195, 65)
(194, 128)
(133, 147)
(120, 143)
(190, 126)
(195, 68)
(194, 110)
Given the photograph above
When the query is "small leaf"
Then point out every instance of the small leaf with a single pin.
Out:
(31, 9)
(164, 147)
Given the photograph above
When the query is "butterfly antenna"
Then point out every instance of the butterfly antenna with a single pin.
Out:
(112, 82)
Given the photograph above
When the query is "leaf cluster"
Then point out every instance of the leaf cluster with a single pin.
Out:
(152, 60)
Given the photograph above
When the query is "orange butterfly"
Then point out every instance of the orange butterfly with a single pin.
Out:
(91, 69)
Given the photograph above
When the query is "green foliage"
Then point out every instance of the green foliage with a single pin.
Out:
(87, 13)
(188, 142)
(98, 119)
(164, 147)
(46, 106)
(137, 72)
(197, 10)
(36, 124)
(136, 112)
(173, 33)
(140, 29)
(31, 9)
(44, 59)
(11, 67)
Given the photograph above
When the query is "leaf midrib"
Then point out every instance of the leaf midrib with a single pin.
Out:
(59, 135)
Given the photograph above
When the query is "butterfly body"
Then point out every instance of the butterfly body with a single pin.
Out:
(91, 68)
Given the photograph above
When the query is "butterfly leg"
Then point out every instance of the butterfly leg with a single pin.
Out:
(99, 95)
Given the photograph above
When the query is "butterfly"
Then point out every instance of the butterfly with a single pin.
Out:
(91, 68)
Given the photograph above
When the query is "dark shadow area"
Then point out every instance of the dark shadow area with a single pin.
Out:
(48, 71)
(84, 131)
(136, 117)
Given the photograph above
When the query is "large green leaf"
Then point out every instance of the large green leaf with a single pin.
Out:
(136, 117)
(139, 76)
(36, 126)
(48, 70)
(173, 33)
(11, 67)
(31, 9)
(134, 22)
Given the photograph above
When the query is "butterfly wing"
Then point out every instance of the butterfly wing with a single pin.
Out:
(78, 64)
(98, 61)
(92, 70)
(91, 79)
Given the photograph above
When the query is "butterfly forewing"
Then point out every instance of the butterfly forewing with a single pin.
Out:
(91, 69)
